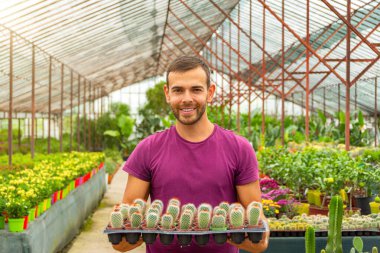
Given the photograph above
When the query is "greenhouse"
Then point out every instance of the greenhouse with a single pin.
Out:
(189, 126)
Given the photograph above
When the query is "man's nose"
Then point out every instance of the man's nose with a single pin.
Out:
(187, 96)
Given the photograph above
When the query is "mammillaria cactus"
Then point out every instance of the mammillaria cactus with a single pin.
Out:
(124, 208)
(153, 210)
(116, 219)
(141, 203)
(186, 220)
(221, 211)
(167, 221)
(203, 220)
(173, 210)
(236, 217)
(135, 208)
(225, 205)
(253, 215)
(218, 222)
(236, 205)
(151, 220)
(136, 220)
(255, 203)
(189, 206)
(174, 201)
(205, 207)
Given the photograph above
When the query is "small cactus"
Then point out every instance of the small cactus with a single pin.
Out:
(116, 219)
(374, 250)
(158, 202)
(204, 218)
(220, 211)
(334, 235)
(186, 220)
(124, 208)
(141, 203)
(253, 215)
(323, 251)
(205, 207)
(135, 208)
(151, 219)
(218, 222)
(167, 221)
(153, 210)
(224, 205)
(136, 220)
(174, 201)
(191, 207)
(173, 210)
(236, 217)
(255, 203)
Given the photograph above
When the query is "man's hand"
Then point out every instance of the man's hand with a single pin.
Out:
(124, 246)
(249, 246)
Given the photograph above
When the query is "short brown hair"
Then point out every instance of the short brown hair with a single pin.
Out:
(186, 63)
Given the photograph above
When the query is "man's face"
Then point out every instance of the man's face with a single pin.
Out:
(188, 95)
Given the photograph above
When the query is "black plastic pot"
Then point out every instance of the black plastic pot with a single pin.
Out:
(114, 238)
(220, 238)
(166, 239)
(184, 239)
(363, 204)
(255, 237)
(149, 238)
(202, 240)
(237, 237)
(132, 238)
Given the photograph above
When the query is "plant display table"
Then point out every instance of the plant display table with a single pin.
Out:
(60, 224)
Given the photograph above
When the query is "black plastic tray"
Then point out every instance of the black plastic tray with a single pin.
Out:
(323, 233)
(185, 237)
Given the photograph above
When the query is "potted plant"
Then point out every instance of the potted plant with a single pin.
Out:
(375, 205)
(116, 223)
(2, 209)
(218, 223)
(236, 219)
(167, 224)
(202, 224)
(185, 225)
(151, 222)
(16, 210)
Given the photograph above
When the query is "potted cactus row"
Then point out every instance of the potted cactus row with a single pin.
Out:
(186, 221)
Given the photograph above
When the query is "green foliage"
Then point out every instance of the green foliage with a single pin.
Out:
(358, 244)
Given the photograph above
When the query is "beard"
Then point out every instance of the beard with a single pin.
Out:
(189, 120)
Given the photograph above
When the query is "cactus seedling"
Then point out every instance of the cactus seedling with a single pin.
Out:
(221, 211)
(173, 210)
(124, 208)
(174, 201)
(141, 203)
(218, 222)
(253, 215)
(191, 207)
(116, 219)
(255, 203)
(204, 218)
(236, 217)
(205, 207)
(186, 220)
(136, 220)
(135, 208)
(167, 221)
(151, 219)
(225, 205)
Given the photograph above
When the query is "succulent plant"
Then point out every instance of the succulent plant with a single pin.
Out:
(253, 215)
(310, 240)
(358, 244)
(255, 203)
(203, 220)
(236, 217)
(186, 220)
(151, 219)
(233, 205)
(374, 250)
(224, 205)
(141, 203)
(124, 208)
(174, 201)
(173, 210)
(167, 221)
(135, 208)
(116, 219)
(136, 220)
(205, 207)
(158, 202)
(221, 211)
(218, 222)
(153, 210)
(191, 207)
(334, 236)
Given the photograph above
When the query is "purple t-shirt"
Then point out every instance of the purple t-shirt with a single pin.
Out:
(194, 172)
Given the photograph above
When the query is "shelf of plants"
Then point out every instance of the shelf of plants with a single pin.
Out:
(32, 186)
(185, 222)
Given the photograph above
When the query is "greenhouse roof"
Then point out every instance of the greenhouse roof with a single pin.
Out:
(102, 46)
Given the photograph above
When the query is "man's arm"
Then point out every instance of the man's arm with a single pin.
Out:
(136, 188)
(246, 194)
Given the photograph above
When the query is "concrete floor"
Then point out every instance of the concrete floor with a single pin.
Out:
(92, 239)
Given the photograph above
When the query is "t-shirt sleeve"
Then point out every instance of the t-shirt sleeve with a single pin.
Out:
(138, 162)
(248, 169)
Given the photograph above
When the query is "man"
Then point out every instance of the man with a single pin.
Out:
(195, 160)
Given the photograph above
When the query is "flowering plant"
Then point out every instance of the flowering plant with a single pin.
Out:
(270, 208)
(268, 184)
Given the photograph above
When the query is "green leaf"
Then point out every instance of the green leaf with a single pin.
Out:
(358, 243)
(112, 133)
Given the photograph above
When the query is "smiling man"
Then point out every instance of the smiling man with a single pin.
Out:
(194, 160)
